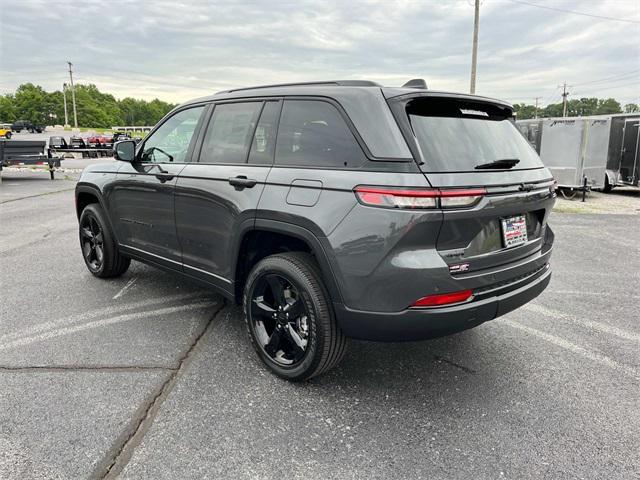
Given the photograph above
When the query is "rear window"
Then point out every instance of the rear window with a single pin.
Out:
(460, 136)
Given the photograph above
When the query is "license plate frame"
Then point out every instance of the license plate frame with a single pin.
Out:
(514, 230)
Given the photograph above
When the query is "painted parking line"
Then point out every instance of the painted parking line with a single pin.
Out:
(583, 322)
(124, 289)
(102, 312)
(104, 322)
(572, 347)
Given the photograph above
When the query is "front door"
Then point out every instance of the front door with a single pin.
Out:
(217, 196)
(143, 194)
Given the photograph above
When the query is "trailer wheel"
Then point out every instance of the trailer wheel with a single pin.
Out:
(568, 195)
(607, 186)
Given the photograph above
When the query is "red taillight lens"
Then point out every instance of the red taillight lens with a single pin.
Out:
(418, 197)
(396, 197)
(443, 299)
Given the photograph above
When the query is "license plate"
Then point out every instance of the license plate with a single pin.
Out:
(514, 231)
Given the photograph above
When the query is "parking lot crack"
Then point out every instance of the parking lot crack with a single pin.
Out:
(454, 364)
(118, 457)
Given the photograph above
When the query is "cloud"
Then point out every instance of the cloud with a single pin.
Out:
(179, 50)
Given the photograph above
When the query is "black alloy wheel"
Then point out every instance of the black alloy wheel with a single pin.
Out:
(289, 317)
(280, 319)
(92, 240)
(99, 247)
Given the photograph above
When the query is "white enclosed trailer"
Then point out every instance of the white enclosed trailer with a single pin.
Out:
(591, 148)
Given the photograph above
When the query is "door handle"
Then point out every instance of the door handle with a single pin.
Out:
(164, 177)
(241, 182)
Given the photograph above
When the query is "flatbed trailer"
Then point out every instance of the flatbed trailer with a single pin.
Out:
(27, 153)
(77, 148)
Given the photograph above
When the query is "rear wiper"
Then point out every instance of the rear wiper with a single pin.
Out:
(497, 164)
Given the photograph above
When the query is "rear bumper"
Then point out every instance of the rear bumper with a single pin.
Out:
(421, 324)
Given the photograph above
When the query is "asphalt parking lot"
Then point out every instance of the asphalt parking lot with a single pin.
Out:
(147, 376)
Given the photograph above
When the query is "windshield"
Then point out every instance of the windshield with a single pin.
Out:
(460, 136)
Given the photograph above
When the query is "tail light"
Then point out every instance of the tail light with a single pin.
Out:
(443, 299)
(417, 198)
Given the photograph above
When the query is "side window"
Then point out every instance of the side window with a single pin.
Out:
(264, 138)
(170, 142)
(313, 133)
(230, 132)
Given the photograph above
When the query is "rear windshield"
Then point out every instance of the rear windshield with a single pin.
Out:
(460, 136)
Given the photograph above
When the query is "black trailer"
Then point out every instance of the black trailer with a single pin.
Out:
(27, 153)
(623, 159)
(77, 147)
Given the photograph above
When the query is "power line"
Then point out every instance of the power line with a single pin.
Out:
(608, 88)
(620, 76)
(556, 9)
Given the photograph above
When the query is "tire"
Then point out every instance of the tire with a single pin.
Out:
(7, 135)
(607, 186)
(98, 245)
(315, 325)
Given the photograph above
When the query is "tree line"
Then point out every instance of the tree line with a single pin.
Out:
(575, 108)
(95, 109)
(102, 110)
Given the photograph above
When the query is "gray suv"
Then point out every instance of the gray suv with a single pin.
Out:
(331, 210)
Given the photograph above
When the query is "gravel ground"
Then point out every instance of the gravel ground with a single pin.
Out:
(148, 376)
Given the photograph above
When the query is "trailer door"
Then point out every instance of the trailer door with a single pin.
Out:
(629, 162)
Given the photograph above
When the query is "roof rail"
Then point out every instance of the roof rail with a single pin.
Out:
(341, 83)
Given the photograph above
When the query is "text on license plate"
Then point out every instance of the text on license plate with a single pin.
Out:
(514, 230)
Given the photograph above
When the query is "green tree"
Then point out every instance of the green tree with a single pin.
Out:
(631, 108)
(7, 109)
(524, 111)
(608, 106)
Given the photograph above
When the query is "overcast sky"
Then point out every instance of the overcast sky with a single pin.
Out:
(179, 50)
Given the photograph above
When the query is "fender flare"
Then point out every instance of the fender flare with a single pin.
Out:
(95, 191)
(301, 233)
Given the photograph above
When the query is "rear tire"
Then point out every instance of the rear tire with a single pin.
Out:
(607, 186)
(7, 135)
(308, 344)
(98, 244)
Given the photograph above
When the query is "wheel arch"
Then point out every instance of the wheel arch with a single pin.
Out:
(87, 194)
(300, 239)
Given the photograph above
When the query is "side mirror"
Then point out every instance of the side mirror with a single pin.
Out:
(125, 151)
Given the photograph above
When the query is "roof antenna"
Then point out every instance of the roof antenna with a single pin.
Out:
(415, 83)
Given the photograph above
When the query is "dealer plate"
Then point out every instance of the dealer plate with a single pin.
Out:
(514, 231)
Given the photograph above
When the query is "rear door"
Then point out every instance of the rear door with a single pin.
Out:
(141, 202)
(474, 146)
(216, 197)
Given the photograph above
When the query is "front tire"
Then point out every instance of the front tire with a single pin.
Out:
(289, 318)
(99, 248)
(7, 135)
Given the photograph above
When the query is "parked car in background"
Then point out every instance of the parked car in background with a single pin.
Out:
(20, 125)
(99, 141)
(331, 210)
(5, 130)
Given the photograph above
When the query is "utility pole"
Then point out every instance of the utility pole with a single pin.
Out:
(536, 99)
(64, 96)
(565, 94)
(474, 52)
(73, 97)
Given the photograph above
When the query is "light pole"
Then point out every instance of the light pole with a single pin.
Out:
(64, 97)
(73, 97)
(474, 52)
